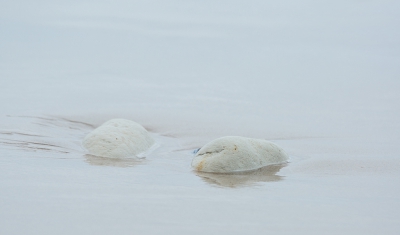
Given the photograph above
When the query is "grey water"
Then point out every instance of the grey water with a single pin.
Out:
(321, 80)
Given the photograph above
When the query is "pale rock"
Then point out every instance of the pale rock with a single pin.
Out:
(236, 154)
(118, 138)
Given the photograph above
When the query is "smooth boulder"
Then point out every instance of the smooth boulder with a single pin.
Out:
(118, 138)
(235, 154)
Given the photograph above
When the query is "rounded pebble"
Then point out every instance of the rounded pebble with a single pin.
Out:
(235, 154)
(118, 138)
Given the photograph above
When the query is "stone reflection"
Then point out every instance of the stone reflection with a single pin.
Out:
(240, 179)
(117, 162)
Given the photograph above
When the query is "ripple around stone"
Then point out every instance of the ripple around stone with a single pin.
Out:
(116, 162)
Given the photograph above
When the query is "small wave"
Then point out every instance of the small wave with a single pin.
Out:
(46, 135)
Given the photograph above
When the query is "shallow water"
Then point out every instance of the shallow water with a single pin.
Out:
(319, 80)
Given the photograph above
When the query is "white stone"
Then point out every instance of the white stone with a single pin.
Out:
(118, 138)
(235, 154)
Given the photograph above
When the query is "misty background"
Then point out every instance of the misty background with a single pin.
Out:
(319, 78)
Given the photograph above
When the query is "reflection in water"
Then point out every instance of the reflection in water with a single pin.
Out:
(118, 162)
(238, 179)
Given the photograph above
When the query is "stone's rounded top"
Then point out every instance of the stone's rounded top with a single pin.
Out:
(118, 138)
(120, 122)
(235, 154)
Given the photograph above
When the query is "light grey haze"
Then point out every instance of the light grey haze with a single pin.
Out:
(319, 78)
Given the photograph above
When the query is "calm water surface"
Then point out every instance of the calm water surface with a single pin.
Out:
(320, 80)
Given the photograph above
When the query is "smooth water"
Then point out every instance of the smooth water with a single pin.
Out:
(321, 80)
